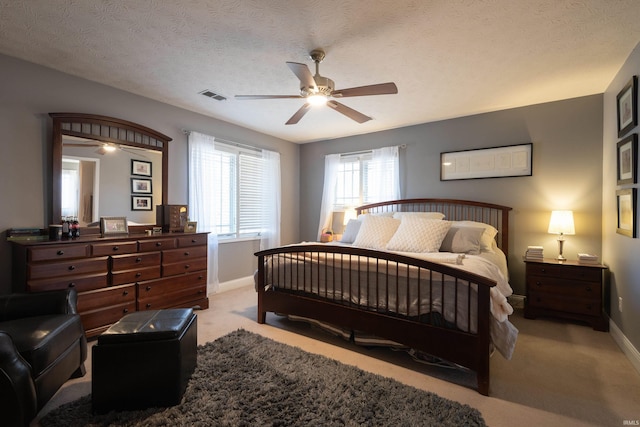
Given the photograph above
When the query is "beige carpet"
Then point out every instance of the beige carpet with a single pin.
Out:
(561, 374)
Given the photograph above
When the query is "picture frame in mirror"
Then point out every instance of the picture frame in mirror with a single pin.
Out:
(113, 226)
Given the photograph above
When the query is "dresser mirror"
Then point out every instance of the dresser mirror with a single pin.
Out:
(104, 166)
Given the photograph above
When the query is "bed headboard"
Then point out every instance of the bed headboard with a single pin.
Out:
(454, 210)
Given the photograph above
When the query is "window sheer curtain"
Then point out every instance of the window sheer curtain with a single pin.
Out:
(384, 178)
(331, 165)
(270, 234)
(201, 149)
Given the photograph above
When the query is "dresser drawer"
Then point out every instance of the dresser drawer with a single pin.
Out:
(80, 283)
(194, 240)
(591, 307)
(156, 245)
(156, 288)
(96, 321)
(567, 287)
(128, 262)
(184, 267)
(58, 252)
(70, 267)
(114, 248)
(565, 271)
(181, 297)
(114, 295)
(135, 275)
(176, 255)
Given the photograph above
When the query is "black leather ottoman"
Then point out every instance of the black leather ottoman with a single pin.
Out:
(144, 360)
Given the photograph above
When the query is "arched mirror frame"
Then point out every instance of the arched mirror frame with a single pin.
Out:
(105, 129)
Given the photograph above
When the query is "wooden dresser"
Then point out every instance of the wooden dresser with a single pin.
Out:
(568, 290)
(117, 275)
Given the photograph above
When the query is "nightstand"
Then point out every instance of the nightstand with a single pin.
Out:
(567, 289)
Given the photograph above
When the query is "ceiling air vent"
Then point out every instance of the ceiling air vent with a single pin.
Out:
(213, 95)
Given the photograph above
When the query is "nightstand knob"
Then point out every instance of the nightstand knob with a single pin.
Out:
(588, 288)
(538, 284)
(543, 270)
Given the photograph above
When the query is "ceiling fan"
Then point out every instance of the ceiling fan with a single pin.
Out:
(318, 90)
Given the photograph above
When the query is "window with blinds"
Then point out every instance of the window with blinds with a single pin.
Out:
(353, 181)
(237, 191)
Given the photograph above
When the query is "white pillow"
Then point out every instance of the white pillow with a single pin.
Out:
(462, 240)
(387, 214)
(417, 234)
(351, 231)
(488, 237)
(376, 231)
(430, 215)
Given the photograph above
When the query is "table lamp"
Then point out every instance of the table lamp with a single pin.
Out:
(561, 223)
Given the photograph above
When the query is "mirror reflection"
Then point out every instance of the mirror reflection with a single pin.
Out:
(107, 179)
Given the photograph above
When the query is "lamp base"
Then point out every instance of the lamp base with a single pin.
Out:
(560, 247)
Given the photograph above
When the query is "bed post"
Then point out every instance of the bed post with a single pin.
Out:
(262, 315)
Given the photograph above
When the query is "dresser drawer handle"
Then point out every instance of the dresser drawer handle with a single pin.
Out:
(186, 253)
(138, 274)
(148, 305)
(148, 288)
(158, 244)
(194, 241)
(72, 267)
(186, 266)
(126, 310)
(61, 252)
(543, 270)
(138, 259)
(72, 285)
(200, 277)
(538, 284)
(125, 293)
(116, 248)
(588, 288)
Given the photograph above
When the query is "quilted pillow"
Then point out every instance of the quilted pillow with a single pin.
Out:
(488, 237)
(351, 231)
(417, 234)
(430, 215)
(375, 231)
(462, 240)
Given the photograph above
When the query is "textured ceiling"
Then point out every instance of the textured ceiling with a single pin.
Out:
(449, 58)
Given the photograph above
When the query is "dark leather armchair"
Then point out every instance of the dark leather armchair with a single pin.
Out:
(42, 345)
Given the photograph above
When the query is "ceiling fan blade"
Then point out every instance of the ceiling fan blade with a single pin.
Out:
(66, 144)
(379, 89)
(241, 97)
(303, 73)
(299, 114)
(349, 112)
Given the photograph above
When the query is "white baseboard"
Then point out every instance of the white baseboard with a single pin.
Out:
(235, 284)
(625, 345)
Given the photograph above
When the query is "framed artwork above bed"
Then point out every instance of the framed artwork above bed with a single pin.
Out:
(495, 162)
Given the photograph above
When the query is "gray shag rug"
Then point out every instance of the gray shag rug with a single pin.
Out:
(244, 379)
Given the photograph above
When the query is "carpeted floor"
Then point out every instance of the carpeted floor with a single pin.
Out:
(245, 379)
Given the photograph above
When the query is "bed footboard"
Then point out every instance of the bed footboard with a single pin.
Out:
(428, 306)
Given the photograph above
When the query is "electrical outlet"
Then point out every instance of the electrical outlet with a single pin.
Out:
(620, 304)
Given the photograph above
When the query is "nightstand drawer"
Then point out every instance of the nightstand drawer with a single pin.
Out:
(569, 287)
(586, 306)
(563, 271)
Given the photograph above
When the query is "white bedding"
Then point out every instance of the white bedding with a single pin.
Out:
(487, 264)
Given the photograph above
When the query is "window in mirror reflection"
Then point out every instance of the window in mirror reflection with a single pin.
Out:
(78, 188)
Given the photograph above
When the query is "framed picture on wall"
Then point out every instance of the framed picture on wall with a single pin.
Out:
(140, 168)
(141, 203)
(627, 224)
(627, 153)
(627, 102)
(141, 186)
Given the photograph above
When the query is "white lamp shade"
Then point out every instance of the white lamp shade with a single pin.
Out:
(561, 223)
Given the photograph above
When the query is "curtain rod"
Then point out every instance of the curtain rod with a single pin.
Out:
(233, 143)
(354, 153)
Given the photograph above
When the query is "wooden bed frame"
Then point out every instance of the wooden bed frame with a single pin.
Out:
(471, 350)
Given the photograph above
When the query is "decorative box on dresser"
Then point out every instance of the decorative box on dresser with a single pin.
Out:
(567, 289)
(117, 275)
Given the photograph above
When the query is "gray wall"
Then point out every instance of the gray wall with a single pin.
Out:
(567, 171)
(621, 253)
(29, 92)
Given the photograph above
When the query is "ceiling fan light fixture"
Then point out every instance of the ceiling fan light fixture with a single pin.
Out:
(317, 99)
(109, 148)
